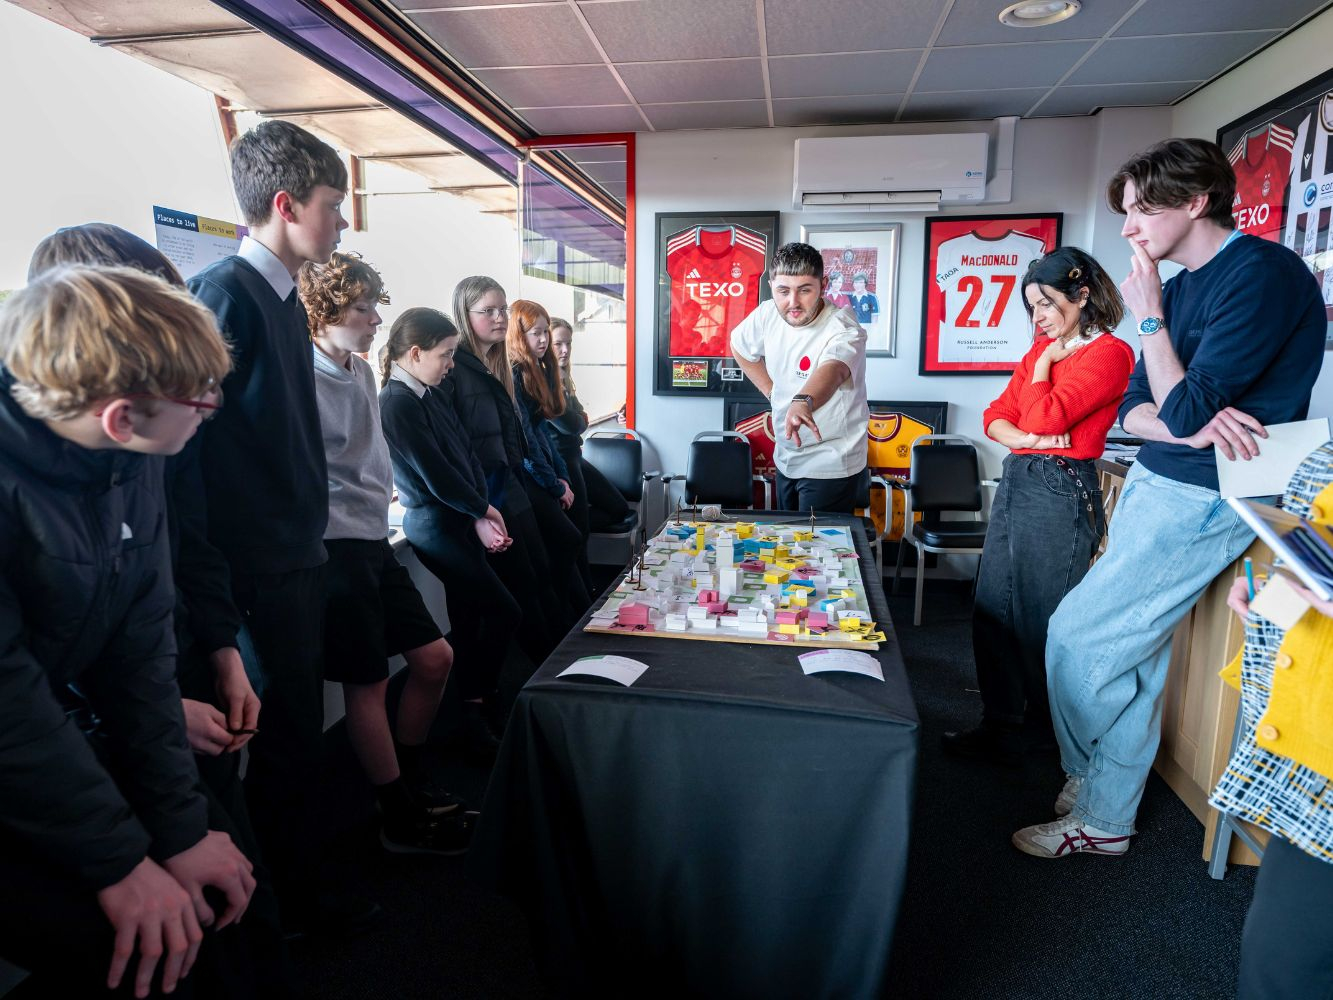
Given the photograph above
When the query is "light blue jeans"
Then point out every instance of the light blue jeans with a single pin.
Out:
(1109, 641)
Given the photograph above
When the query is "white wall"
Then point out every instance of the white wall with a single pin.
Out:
(751, 169)
(1291, 62)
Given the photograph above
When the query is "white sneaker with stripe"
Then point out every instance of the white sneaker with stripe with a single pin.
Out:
(1066, 836)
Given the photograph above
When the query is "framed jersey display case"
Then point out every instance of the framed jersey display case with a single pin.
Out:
(712, 271)
(1283, 157)
(973, 321)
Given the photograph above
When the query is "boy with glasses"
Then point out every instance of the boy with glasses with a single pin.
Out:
(105, 850)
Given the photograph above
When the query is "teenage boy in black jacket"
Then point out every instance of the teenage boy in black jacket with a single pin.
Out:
(105, 850)
(264, 494)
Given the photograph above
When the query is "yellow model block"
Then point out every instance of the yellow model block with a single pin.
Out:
(790, 629)
(804, 536)
(744, 530)
(782, 551)
(776, 576)
(849, 624)
(847, 593)
(796, 600)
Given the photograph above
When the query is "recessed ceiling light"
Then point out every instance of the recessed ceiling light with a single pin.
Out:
(1039, 13)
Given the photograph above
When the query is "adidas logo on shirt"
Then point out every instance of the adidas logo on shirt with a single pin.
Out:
(694, 273)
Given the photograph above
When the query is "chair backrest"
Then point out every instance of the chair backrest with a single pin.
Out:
(718, 470)
(620, 459)
(945, 474)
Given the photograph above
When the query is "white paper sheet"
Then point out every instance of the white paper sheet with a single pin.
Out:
(846, 660)
(1280, 453)
(620, 669)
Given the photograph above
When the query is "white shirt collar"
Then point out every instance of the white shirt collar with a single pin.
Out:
(408, 379)
(266, 262)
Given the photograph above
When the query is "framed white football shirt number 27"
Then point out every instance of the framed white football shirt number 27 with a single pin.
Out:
(983, 317)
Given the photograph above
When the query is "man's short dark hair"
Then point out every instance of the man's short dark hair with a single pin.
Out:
(1170, 173)
(278, 156)
(860, 276)
(797, 260)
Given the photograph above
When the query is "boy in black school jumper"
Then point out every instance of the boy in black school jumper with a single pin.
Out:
(105, 850)
(265, 495)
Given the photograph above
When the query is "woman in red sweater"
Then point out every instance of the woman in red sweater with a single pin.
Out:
(1046, 519)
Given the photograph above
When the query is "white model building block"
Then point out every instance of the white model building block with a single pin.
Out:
(704, 624)
(675, 623)
(754, 628)
(729, 621)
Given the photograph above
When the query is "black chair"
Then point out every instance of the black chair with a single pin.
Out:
(719, 470)
(945, 476)
(618, 455)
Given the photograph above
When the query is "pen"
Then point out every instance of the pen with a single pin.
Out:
(1249, 575)
(255, 732)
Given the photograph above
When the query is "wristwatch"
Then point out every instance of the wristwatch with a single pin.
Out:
(1149, 326)
(804, 397)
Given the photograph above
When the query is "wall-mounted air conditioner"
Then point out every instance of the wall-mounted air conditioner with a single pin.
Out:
(889, 173)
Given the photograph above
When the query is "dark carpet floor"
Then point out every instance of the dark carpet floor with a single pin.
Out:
(979, 919)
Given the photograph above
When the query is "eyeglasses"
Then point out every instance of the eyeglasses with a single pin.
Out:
(210, 410)
(494, 312)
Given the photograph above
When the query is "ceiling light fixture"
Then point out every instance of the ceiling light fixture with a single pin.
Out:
(1039, 13)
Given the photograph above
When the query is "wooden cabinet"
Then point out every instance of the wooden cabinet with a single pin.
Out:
(1198, 710)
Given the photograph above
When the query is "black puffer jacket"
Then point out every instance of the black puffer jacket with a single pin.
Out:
(487, 414)
(86, 643)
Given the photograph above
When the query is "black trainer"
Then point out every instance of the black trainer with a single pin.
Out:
(446, 835)
(996, 744)
(434, 799)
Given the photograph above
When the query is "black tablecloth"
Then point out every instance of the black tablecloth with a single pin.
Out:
(727, 826)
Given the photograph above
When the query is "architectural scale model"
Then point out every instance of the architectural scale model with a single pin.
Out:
(744, 582)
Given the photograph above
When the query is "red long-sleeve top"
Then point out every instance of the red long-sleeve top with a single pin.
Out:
(1080, 398)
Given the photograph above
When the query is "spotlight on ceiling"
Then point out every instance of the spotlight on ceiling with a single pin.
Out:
(1039, 13)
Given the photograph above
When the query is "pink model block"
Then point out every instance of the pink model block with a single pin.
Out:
(818, 619)
(754, 565)
(714, 607)
(632, 614)
(791, 616)
(708, 596)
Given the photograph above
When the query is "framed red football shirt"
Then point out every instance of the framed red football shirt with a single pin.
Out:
(715, 274)
(1262, 162)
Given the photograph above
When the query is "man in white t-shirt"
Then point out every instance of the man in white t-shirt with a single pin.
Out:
(809, 358)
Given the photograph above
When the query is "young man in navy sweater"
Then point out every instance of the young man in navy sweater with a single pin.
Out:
(1231, 344)
(265, 490)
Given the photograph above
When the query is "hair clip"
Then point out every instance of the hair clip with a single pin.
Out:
(1075, 273)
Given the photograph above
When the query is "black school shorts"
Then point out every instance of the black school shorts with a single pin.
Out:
(372, 611)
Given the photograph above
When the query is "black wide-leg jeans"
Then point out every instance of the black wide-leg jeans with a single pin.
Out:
(1039, 545)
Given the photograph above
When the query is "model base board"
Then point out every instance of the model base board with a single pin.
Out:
(741, 581)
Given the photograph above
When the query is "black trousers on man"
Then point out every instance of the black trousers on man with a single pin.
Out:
(836, 496)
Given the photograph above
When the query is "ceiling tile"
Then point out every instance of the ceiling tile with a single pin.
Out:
(674, 29)
(512, 36)
(836, 110)
(796, 26)
(1160, 17)
(972, 22)
(851, 73)
(971, 105)
(717, 114)
(553, 86)
(1179, 57)
(708, 80)
(986, 67)
(411, 5)
(567, 121)
(1083, 100)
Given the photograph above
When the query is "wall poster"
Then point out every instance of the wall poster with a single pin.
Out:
(861, 265)
(1283, 157)
(973, 320)
(712, 271)
(192, 242)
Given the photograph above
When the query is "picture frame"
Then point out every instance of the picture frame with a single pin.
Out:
(973, 321)
(869, 250)
(712, 271)
(1283, 191)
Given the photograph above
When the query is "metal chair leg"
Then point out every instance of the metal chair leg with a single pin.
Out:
(898, 570)
(920, 581)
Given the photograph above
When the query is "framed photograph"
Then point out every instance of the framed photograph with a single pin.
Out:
(861, 265)
(972, 319)
(1283, 157)
(712, 271)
